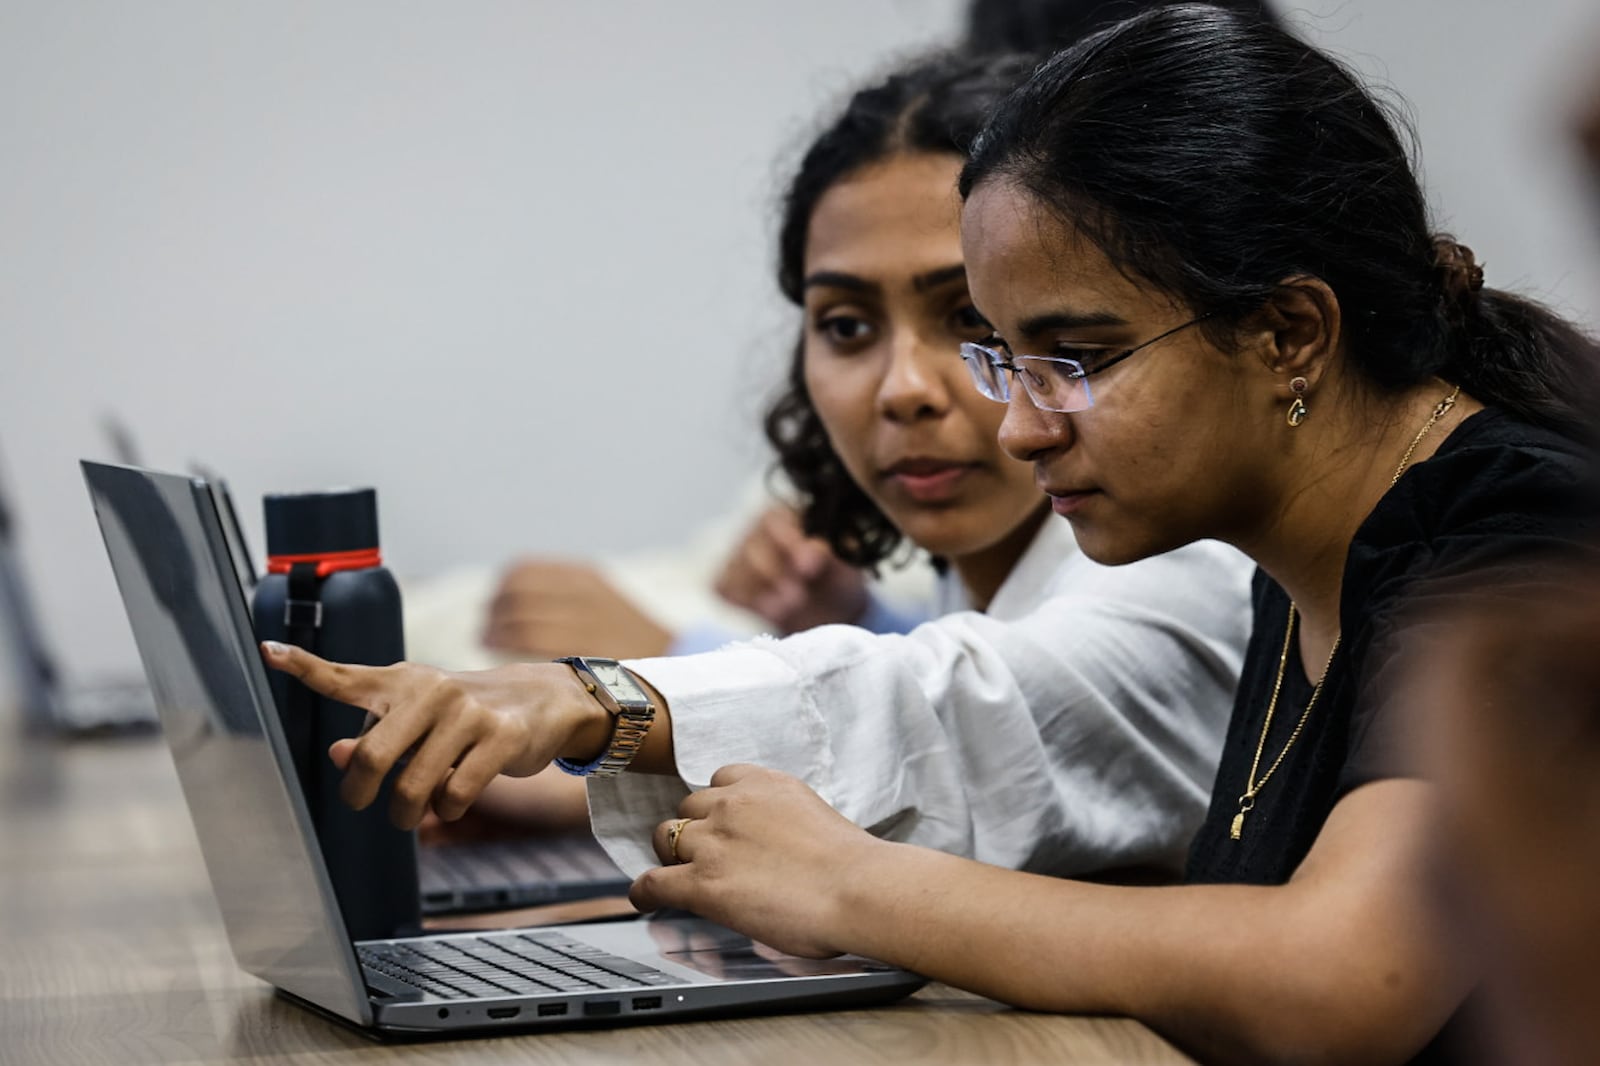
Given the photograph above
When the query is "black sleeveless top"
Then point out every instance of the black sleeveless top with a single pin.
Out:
(1499, 496)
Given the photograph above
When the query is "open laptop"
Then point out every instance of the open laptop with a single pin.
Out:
(189, 620)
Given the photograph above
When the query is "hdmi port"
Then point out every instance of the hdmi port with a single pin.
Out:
(504, 1012)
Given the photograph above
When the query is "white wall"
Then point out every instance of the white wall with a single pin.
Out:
(1492, 86)
(510, 262)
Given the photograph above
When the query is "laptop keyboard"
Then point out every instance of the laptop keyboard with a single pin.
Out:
(506, 964)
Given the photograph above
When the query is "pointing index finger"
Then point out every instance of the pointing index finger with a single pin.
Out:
(339, 681)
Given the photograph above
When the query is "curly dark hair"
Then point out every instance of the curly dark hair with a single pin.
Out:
(936, 105)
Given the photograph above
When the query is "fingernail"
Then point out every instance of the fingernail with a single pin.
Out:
(274, 648)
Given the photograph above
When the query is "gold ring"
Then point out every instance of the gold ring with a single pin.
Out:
(674, 831)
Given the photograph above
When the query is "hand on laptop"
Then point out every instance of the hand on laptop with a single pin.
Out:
(547, 608)
(793, 581)
(762, 853)
(457, 731)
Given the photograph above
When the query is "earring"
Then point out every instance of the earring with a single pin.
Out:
(1298, 409)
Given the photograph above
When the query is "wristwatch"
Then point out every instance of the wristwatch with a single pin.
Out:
(614, 686)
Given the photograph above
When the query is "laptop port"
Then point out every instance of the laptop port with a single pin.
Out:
(551, 1010)
(504, 1012)
(602, 1007)
(646, 1002)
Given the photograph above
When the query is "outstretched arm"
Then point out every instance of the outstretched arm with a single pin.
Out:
(1345, 963)
(459, 730)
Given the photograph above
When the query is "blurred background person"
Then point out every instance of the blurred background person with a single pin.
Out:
(1510, 687)
(1510, 693)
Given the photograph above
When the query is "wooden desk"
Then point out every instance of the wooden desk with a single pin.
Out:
(112, 951)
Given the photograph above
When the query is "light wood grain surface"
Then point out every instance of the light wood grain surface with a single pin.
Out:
(112, 951)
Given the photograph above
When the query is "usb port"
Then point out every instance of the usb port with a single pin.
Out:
(550, 1010)
(646, 1002)
(602, 1007)
(504, 1012)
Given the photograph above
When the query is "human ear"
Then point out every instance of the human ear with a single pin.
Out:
(1299, 326)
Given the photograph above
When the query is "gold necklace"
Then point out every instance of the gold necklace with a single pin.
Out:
(1247, 801)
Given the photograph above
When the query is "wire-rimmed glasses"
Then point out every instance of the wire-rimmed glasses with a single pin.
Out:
(1052, 382)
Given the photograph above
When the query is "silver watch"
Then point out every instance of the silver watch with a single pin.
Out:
(624, 699)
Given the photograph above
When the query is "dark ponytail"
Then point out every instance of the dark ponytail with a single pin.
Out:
(1215, 155)
(1512, 351)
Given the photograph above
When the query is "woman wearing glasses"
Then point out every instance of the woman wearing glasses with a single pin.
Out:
(1061, 715)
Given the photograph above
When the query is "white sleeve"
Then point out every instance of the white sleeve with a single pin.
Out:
(1083, 736)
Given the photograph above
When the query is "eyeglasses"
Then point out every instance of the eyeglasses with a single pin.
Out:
(1053, 382)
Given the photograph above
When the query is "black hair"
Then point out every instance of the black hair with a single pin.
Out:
(936, 105)
(1216, 156)
(1046, 25)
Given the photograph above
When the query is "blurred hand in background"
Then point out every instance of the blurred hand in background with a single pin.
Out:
(544, 608)
(791, 580)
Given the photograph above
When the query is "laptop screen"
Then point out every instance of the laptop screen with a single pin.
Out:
(192, 628)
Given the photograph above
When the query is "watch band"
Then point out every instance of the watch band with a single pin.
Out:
(633, 717)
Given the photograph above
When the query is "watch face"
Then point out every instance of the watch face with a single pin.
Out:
(618, 680)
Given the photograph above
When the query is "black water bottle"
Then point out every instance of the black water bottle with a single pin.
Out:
(327, 591)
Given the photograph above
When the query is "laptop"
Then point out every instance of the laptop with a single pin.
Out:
(189, 619)
(50, 704)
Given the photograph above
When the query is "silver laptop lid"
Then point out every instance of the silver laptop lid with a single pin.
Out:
(194, 636)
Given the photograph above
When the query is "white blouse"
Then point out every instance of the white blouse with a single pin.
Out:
(1075, 727)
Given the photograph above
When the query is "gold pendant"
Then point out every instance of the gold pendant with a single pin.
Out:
(1247, 803)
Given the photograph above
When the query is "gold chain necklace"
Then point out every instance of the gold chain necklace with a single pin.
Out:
(1247, 801)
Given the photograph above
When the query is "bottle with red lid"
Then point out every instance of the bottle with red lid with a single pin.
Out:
(327, 590)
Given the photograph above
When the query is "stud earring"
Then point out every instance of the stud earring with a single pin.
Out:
(1298, 409)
